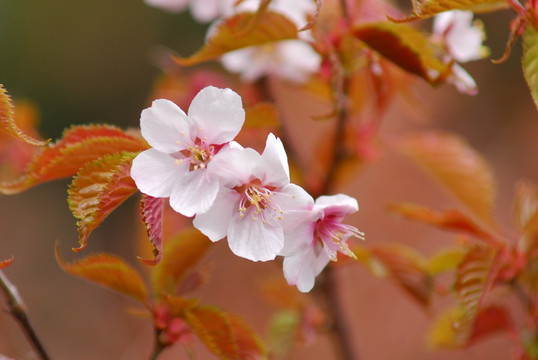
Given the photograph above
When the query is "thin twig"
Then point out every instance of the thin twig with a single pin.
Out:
(17, 308)
(158, 346)
(328, 288)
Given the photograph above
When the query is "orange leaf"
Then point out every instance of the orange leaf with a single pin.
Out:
(423, 9)
(526, 214)
(7, 122)
(151, 210)
(474, 277)
(109, 271)
(407, 268)
(452, 220)
(262, 115)
(406, 47)
(225, 335)
(6, 263)
(79, 145)
(458, 167)
(179, 254)
(99, 188)
(238, 32)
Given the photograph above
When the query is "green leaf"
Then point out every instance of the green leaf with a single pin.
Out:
(224, 334)
(109, 271)
(179, 255)
(446, 260)
(529, 60)
(7, 122)
(240, 31)
(406, 47)
(79, 145)
(99, 188)
(456, 165)
(283, 330)
(428, 8)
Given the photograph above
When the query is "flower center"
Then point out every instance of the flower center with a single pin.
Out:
(333, 236)
(198, 153)
(257, 198)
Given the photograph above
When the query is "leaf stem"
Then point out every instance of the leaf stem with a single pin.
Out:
(158, 346)
(17, 308)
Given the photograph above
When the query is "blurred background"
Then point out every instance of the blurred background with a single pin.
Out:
(91, 62)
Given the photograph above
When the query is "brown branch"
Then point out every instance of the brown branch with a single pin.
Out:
(17, 308)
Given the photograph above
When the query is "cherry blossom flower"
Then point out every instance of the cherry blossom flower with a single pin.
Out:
(184, 146)
(203, 11)
(294, 60)
(253, 202)
(315, 237)
(462, 39)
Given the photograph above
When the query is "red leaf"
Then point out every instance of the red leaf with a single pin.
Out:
(151, 210)
(6, 263)
(79, 145)
(456, 165)
(406, 47)
(7, 122)
(179, 254)
(452, 220)
(240, 31)
(489, 321)
(225, 335)
(99, 188)
(424, 9)
(109, 271)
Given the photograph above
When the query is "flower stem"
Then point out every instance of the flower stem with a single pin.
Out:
(340, 330)
(158, 346)
(17, 308)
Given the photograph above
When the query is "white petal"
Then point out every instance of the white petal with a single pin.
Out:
(163, 124)
(339, 205)
(219, 113)
(237, 166)
(463, 81)
(214, 222)
(251, 62)
(302, 268)
(298, 60)
(205, 11)
(194, 192)
(169, 5)
(298, 227)
(254, 240)
(292, 197)
(155, 173)
(442, 21)
(276, 162)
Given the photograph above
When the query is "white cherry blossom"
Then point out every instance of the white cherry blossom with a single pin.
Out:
(313, 238)
(253, 202)
(462, 38)
(203, 11)
(178, 165)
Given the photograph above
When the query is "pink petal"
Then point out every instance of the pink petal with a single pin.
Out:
(163, 125)
(338, 205)
(169, 5)
(254, 240)
(214, 222)
(298, 229)
(292, 197)
(155, 173)
(218, 113)
(194, 193)
(302, 268)
(276, 162)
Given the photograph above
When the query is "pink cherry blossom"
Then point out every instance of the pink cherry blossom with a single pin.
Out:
(313, 238)
(201, 10)
(183, 147)
(253, 202)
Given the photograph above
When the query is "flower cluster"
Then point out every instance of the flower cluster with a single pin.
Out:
(236, 192)
(294, 59)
